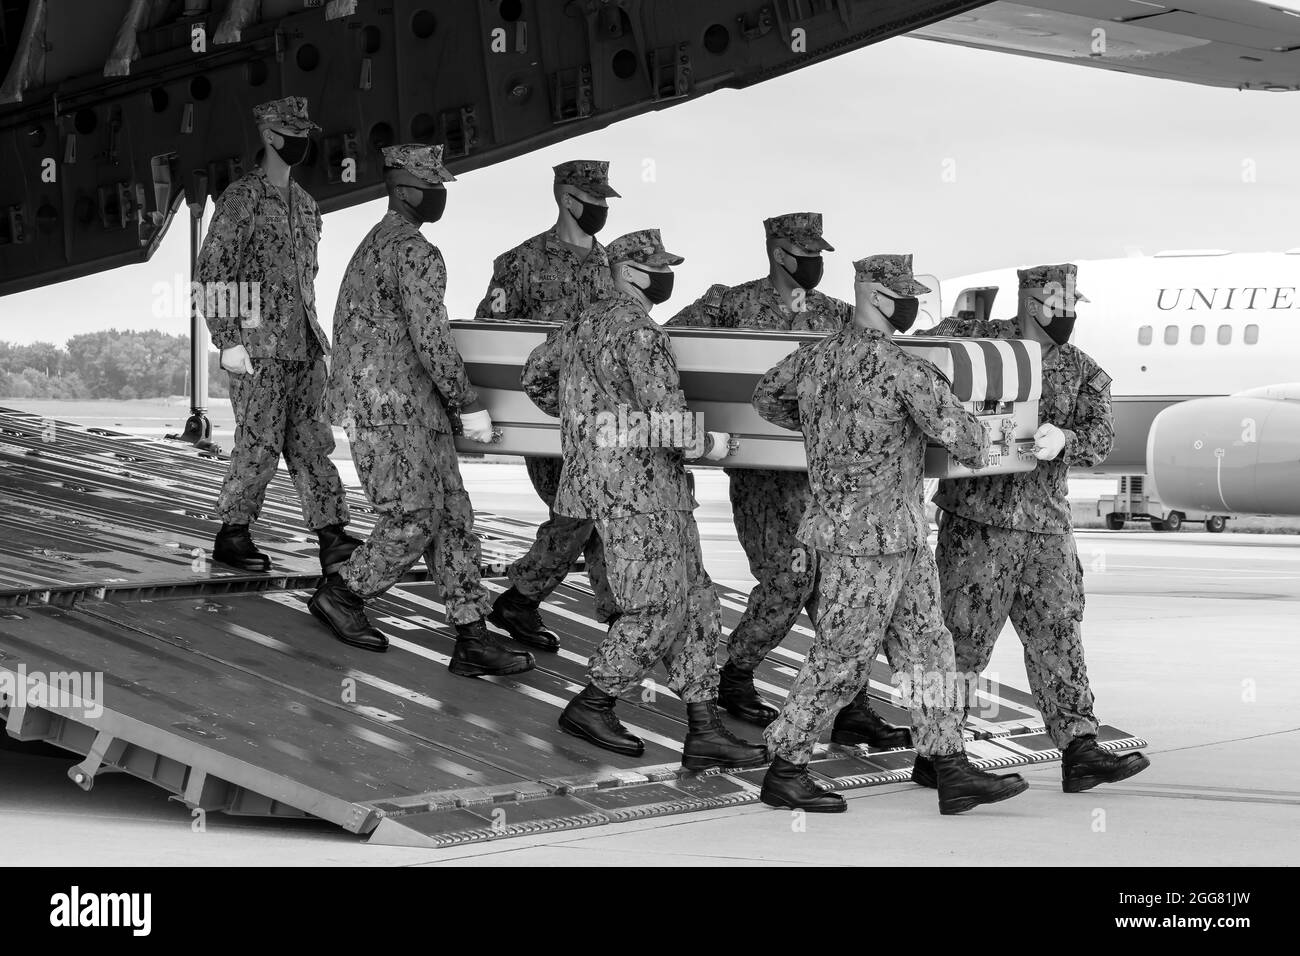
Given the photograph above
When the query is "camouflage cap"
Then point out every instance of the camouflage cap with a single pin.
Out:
(643, 246)
(892, 270)
(422, 162)
(589, 175)
(804, 229)
(289, 113)
(1063, 275)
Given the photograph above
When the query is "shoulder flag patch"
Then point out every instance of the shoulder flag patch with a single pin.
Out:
(714, 295)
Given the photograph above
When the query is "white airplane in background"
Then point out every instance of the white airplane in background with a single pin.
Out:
(1203, 347)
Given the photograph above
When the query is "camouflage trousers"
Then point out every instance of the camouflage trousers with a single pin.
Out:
(767, 507)
(991, 573)
(865, 601)
(412, 477)
(560, 539)
(278, 410)
(669, 610)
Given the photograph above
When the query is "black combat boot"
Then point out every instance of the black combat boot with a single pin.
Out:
(790, 785)
(859, 724)
(1084, 765)
(518, 615)
(923, 773)
(962, 787)
(710, 744)
(234, 546)
(738, 697)
(478, 654)
(590, 716)
(336, 546)
(340, 609)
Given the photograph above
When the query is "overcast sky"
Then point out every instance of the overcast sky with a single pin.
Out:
(970, 160)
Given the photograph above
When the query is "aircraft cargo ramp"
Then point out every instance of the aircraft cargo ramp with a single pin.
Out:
(220, 687)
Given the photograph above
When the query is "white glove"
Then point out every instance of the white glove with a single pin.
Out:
(477, 426)
(1049, 441)
(235, 359)
(719, 446)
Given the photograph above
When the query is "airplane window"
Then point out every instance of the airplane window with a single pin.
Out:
(1144, 335)
(1198, 335)
(1225, 334)
(1171, 335)
(1252, 334)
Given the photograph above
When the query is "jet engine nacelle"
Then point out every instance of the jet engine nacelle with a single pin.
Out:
(1237, 454)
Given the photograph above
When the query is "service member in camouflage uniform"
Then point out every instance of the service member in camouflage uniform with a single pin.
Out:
(261, 249)
(611, 377)
(865, 408)
(551, 278)
(768, 505)
(396, 374)
(1006, 543)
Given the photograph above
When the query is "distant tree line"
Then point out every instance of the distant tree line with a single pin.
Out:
(112, 364)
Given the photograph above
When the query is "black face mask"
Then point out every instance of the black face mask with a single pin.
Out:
(433, 203)
(593, 217)
(660, 288)
(809, 271)
(294, 149)
(1061, 327)
(906, 308)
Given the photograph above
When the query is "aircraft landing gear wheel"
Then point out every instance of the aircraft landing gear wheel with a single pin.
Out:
(1114, 522)
(1215, 524)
